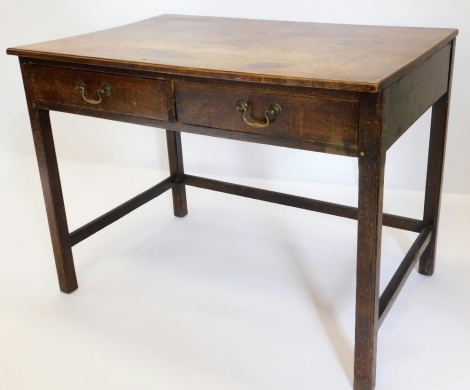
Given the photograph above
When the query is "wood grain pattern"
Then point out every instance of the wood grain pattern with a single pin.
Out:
(348, 90)
(435, 171)
(120, 211)
(192, 78)
(309, 118)
(390, 294)
(346, 57)
(175, 160)
(51, 186)
(411, 96)
(219, 133)
(369, 231)
(130, 95)
(319, 206)
(53, 198)
(434, 178)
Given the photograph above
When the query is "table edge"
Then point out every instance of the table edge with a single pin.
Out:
(354, 86)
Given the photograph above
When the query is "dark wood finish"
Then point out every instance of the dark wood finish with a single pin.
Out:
(170, 97)
(51, 187)
(390, 294)
(332, 56)
(403, 223)
(219, 133)
(174, 78)
(346, 90)
(52, 190)
(371, 179)
(309, 118)
(435, 172)
(412, 95)
(129, 95)
(299, 202)
(120, 211)
(175, 157)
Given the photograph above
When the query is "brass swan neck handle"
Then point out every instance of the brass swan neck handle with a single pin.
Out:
(274, 110)
(105, 90)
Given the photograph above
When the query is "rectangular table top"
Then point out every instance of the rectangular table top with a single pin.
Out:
(332, 56)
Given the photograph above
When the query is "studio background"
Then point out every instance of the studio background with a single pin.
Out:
(25, 22)
(239, 294)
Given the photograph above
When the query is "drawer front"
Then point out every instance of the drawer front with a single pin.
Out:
(308, 118)
(135, 96)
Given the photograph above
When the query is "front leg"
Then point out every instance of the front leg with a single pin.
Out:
(53, 198)
(371, 176)
(371, 181)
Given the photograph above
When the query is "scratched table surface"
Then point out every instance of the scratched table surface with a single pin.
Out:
(333, 56)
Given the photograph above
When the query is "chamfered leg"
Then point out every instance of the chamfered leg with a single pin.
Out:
(175, 157)
(52, 190)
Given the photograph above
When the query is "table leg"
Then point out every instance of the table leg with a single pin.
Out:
(175, 156)
(432, 199)
(52, 190)
(371, 179)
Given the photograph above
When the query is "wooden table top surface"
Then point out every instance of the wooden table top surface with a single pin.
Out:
(332, 56)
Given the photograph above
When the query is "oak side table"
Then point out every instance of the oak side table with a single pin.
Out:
(341, 89)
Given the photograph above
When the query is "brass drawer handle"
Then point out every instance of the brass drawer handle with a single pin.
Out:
(274, 110)
(105, 90)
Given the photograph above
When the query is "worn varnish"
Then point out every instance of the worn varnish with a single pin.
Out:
(412, 95)
(309, 118)
(129, 95)
(343, 89)
(359, 58)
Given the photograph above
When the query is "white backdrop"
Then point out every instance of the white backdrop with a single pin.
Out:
(109, 143)
(259, 296)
